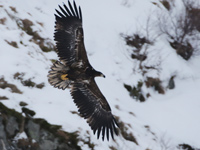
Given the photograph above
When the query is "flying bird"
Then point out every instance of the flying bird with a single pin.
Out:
(74, 71)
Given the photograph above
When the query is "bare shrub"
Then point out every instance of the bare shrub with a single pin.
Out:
(44, 43)
(144, 56)
(136, 91)
(126, 134)
(166, 4)
(139, 45)
(185, 147)
(13, 88)
(12, 43)
(3, 20)
(182, 27)
(156, 83)
(27, 82)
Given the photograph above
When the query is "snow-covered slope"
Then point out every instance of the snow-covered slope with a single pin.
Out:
(162, 122)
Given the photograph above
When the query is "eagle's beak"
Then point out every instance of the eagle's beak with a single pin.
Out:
(102, 75)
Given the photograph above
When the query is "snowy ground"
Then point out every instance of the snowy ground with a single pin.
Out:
(162, 122)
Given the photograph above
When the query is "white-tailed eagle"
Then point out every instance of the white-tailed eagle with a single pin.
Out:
(74, 71)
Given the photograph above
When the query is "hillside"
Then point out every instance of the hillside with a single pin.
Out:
(151, 85)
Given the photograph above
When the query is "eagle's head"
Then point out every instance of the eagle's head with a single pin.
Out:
(95, 73)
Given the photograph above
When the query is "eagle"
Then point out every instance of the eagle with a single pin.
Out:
(74, 71)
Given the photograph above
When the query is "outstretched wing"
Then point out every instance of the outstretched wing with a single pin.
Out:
(69, 35)
(94, 107)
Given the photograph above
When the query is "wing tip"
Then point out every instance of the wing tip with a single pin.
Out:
(105, 128)
(70, 11)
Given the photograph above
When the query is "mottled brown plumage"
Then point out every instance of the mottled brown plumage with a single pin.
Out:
(74, 71)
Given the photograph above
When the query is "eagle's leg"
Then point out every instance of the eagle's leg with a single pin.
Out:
(64, 77)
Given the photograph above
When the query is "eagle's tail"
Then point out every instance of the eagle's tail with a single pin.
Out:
(57, 76)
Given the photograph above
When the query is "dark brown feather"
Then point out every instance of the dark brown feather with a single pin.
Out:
(93, 106)
(69, 35)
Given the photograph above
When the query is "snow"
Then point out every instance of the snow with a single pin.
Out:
(21, 136)
(172, 118)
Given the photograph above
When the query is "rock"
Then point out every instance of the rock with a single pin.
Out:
(23, 103)
(48, 145)
(3, 136)
(18, 132)
(33, 130)
(3, 144)
(2, 130)
(11, 126)
(171, 84)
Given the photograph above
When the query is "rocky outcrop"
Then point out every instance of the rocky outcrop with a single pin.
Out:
(23, 132)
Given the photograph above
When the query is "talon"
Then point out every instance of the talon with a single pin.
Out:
(64, 77)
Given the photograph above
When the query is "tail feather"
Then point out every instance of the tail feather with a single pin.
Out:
(54, 76)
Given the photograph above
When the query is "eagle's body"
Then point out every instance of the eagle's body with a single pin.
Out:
(74, 71)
